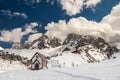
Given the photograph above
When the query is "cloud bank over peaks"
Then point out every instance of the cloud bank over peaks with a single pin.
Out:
(113, 19)
(34, 36)
(80, 26)
(108, 28)
(16, 34)
(73, 7)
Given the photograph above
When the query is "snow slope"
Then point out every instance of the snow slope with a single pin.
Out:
(6, 65)
(106, 70)
(60, 58)
(30, 52)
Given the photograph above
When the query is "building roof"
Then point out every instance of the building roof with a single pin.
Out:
(41, 55)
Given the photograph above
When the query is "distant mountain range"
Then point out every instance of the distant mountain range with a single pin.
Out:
(76, 44)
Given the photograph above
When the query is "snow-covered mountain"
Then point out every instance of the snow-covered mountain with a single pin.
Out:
(86, 43)
(75, 49)
(43, 42)
(72, 39)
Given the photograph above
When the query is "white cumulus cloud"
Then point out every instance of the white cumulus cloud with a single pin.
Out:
(113, 19)
(91, 3)
(33, 37)
(30, 2)
(13, 14)
(16, 34)
(73, 7)
(108, 28)
(20, 14)
(11, 36)
(80, 26)
(29, 28)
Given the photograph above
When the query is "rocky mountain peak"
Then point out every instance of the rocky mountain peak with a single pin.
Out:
(74, 41)
(85, 43)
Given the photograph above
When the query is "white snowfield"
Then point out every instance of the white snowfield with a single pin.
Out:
(67, 66)
(106, 70)
(6, 65)
(29, 53)
(59, 58)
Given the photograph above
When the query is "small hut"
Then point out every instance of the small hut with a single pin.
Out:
(38, 61)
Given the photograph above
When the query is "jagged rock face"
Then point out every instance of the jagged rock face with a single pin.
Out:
(87, 48)
(26, 45)
(81, 40)
(86, 43)
(54, 42)
(43, 42)
(75, 43)
(46, 42)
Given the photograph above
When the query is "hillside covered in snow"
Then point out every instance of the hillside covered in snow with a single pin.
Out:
(6, 65)
(106, 70)
(78, 57)
(73, 51)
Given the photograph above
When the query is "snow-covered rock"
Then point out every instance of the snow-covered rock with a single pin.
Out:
(74, 51)
(17, 46)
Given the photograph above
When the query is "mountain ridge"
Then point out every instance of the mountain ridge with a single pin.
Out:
(76, 44)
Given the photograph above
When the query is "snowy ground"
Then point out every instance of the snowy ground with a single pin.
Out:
(6, 65)
(63, 59)
(29, 53)
(106, 70)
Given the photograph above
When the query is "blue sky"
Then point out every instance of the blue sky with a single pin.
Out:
(18, 13)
